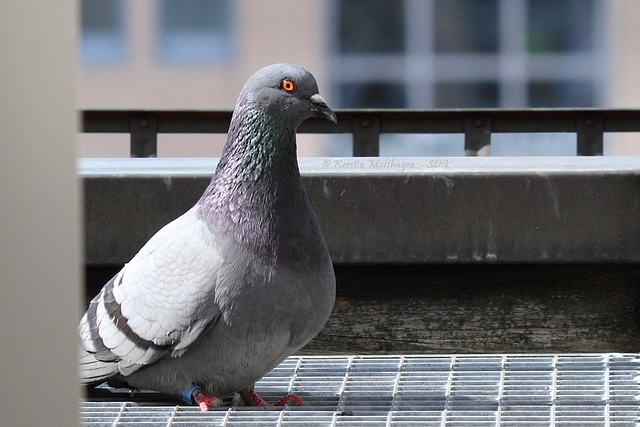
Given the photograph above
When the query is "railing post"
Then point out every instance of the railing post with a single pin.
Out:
(366, 137)
(477, 136)
(144, 136)
(590, 134)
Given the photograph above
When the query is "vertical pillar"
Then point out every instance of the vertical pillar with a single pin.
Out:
(39, 213)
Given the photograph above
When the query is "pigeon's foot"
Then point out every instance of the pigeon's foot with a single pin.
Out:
(251, 398)
(204, 401)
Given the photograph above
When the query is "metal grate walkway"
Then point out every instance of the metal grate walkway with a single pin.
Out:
(509, 390)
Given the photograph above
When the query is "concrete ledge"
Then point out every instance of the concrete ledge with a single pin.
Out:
(400, 210)
(474, 229)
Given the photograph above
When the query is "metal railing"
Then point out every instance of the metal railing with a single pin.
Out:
(366, 125)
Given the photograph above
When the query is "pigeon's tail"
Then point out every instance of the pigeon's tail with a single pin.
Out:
(94, 371)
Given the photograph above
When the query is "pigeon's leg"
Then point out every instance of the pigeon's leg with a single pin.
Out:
(251, 398)
(204, 401)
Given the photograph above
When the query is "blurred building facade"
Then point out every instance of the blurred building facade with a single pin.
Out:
(196, 54)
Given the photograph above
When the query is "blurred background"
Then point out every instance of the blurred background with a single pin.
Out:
(418, 54)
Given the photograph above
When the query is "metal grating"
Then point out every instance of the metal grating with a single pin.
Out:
(509, 390)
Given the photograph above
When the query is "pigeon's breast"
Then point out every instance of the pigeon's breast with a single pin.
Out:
(268, 311)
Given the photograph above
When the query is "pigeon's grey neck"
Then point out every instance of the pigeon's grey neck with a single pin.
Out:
(257, 187)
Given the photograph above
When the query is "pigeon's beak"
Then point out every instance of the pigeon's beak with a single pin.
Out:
(322, 109)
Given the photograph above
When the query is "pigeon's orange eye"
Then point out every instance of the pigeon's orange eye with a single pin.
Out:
(288, 85)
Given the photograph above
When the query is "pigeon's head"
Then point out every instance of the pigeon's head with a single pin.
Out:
(286, 92)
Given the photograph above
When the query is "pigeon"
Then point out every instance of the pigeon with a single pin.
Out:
(221, 295)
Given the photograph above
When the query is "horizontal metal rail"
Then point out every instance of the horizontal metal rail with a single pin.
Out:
(366, 125)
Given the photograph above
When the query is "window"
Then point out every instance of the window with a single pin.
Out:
(373, 95)
(560, 26)
(466, 95)
(195, 31)
(468, 53)
(371, 26)
(570, 94)
(466, 26)
(102, 32)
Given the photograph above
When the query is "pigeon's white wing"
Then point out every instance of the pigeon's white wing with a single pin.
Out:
(160, 302)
